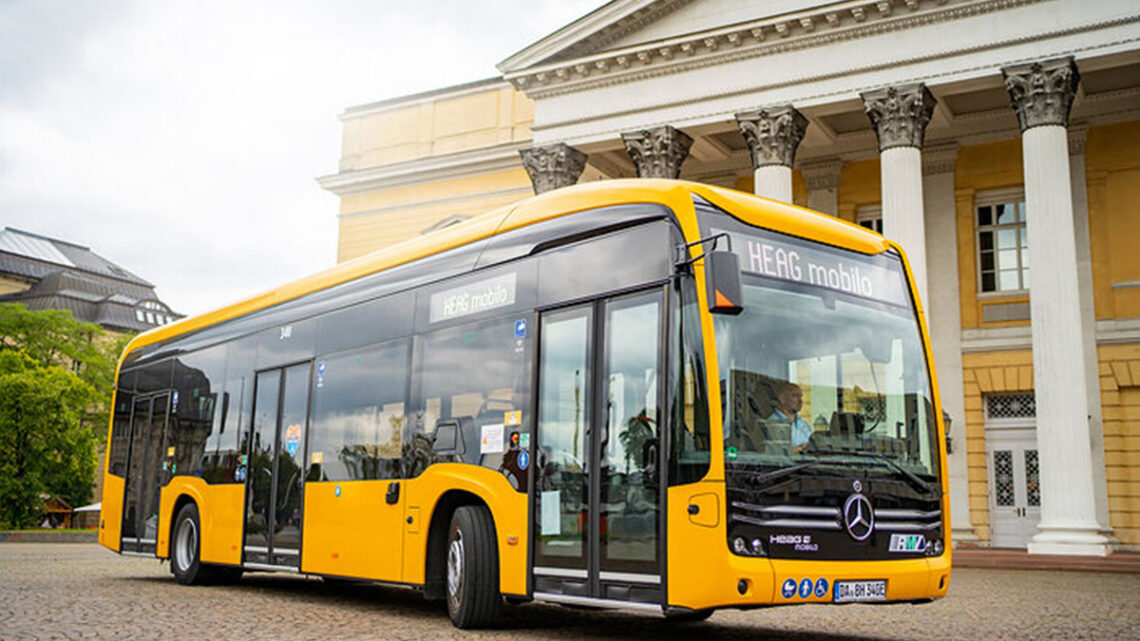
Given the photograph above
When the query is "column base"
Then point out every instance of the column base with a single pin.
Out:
(964, 535)
(1069, 541)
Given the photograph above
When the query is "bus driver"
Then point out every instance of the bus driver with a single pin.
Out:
(791, 399)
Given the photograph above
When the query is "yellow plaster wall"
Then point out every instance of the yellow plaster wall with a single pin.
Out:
(9, 286)
(429, 127)
(378, 219)
(1120, 404)
(859, 185)
(988, 373)
(994, 165)
(1112, 169)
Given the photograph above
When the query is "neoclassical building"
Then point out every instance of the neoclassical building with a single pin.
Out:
(997, 140)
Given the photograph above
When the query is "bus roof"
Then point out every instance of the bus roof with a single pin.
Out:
(676, 194)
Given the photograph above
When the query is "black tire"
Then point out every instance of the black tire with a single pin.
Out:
(472, 569)
(185, 549)
(688, 616)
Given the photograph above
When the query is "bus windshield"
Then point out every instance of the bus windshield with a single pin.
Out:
(820, 372)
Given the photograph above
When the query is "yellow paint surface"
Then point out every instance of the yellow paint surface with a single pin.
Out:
(355, 534)
(220, 510)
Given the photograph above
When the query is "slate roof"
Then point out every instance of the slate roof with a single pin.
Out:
(72, 277)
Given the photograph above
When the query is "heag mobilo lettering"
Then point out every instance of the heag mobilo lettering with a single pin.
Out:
(846, 279)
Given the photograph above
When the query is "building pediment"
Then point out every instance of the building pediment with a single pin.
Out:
(631, 40)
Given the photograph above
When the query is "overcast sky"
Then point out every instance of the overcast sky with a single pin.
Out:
(182, 140)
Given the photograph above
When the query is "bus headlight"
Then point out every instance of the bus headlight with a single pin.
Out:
(934, 548)
(739, 545)
(744, 547)
(757, 547)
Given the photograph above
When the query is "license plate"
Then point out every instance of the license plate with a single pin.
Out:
(850, 591)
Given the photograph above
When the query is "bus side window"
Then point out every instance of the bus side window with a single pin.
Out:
(689, 456)
(477, 377)
(198, 381)
(121, 426)
(358, 415)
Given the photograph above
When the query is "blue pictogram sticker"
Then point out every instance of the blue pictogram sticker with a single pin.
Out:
(821, 587)
(321, 368)
(520, 328)
(337, 491)
(524, 459)
(805, 588)
(789, 588)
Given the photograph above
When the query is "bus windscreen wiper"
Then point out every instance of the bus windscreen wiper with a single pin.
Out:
(913, 478)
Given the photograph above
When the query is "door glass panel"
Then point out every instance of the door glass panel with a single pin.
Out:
(1032, 480)
(561, 496)
(290, 459)
(140, 425)
(629, 452)
(260, 461)
(1003, 477)
(154, 473)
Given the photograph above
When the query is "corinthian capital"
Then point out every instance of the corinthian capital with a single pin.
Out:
(1042, 92)
(553, 166)
(657, 152)
(899, 114)
(773, 134)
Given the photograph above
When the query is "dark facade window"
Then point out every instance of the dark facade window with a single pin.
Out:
(1003, 245)
(359, 399)
(474, 380)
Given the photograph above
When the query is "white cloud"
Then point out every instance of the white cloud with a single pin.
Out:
(182, 140)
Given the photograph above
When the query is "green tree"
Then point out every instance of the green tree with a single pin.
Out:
(54, 337)
(44, 445)
(56, 378)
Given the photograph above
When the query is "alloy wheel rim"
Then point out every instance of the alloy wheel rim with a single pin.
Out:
(186, 543)
(455, 554)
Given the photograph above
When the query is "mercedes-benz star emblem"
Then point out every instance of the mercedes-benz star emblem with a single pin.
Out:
(858, 517)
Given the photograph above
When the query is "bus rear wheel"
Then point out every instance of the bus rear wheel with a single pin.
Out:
(185, 553)
(472, 563)
(185, 548)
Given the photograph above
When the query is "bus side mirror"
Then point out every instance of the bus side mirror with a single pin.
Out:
(722, 274)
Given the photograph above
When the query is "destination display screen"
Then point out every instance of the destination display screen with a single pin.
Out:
(878, 277)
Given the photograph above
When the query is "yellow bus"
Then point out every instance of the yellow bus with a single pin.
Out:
(646, 394)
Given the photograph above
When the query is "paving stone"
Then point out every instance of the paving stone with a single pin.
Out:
(77, 591)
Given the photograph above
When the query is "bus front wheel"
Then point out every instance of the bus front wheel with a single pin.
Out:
(472, 563)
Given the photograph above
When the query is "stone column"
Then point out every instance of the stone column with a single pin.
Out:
(822, 178)
(1042, 93)
(1078, 134)
(899, 115)
(944, 317)
(553, 166)
(772, 134)
(658, 152)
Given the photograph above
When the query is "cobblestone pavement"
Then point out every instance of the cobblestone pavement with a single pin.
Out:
(79, 591)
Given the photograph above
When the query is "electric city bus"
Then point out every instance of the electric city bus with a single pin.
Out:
(647, 394)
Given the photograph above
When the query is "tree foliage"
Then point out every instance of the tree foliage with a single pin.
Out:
(56, 377)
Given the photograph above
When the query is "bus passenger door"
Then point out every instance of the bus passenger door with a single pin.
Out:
(276, 457)
(597, 495)
(144, 474)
